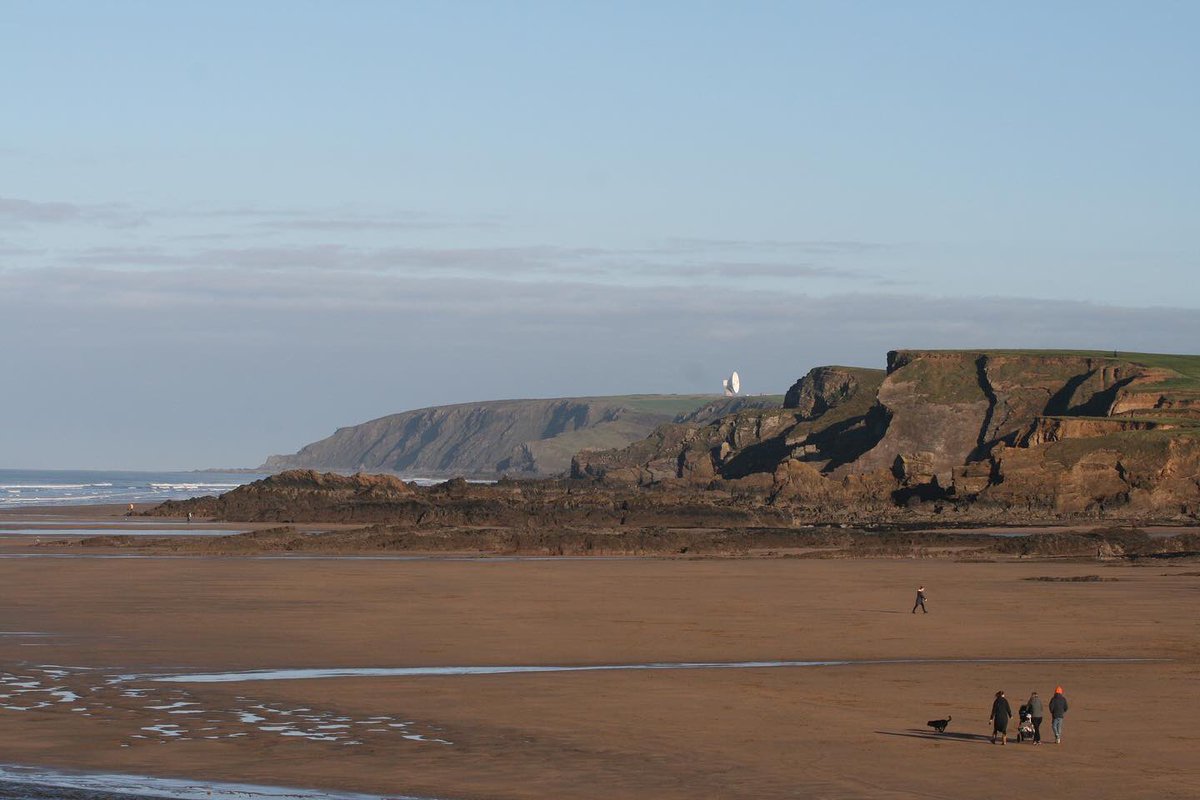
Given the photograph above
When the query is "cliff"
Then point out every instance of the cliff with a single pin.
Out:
(529, 438)
(963, 437)
(824, 416)
(1056, 433)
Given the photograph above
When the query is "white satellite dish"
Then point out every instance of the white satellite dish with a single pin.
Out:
(732, 385)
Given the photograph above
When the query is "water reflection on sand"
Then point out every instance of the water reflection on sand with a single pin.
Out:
(18, 782)
(175, 714)
(412, 672)
(76, 533)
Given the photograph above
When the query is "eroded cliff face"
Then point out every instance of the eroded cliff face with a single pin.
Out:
(948, 409)
(1054, 433)
(1152, 473)
(827, 418)
(529, 438)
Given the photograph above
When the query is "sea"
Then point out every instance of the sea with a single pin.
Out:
(37, 487)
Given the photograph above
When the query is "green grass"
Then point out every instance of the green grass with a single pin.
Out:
(861, 372)
(667, 404)
(1188, 366)
(956, 382)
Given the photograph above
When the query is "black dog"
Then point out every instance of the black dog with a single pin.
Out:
(939, 725)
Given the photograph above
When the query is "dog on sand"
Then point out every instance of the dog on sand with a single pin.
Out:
(939, 725)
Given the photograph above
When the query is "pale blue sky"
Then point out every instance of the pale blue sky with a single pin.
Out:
(228, 228)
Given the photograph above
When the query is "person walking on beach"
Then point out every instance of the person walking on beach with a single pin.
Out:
(1036, 712)
(1058, 710)
(1001, 714)
(920, 600)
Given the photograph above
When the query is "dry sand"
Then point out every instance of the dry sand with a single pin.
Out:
(814, 732)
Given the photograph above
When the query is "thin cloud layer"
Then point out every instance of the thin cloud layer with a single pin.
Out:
(16, 211)
(819, 247)
(863, 317)
(264, 360)
(350, 239)
(519, 263)
(244, 222)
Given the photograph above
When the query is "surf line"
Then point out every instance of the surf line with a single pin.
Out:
(100, 785)
(415, 672)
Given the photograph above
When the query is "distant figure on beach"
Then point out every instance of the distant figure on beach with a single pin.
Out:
(1036, 711)
(189, 517)
(129, 513)
(1058, 710)
(1001, 714)
(920, 600)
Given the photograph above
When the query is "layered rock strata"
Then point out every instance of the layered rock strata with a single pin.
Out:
(1056, 433)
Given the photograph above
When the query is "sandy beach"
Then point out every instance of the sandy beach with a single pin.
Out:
(89, 638)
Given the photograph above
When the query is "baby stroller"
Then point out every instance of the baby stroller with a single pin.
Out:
(1025, 726)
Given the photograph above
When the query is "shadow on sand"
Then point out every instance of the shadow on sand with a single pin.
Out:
(877, 611)
(949, 736)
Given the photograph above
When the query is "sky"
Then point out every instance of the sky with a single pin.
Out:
(229, 228)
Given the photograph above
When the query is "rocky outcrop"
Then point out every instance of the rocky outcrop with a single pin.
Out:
(824, 388)
(1184, 405)
(308, 496)
(1151, 473)
(724, 406)
(1056, 429)
(1054, 433)
(301, 494)
(828, 413)
(529, 438)
(964, 436)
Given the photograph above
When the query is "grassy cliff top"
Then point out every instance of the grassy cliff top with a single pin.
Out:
(859, 370)
(1188, 366)
(664, 404)
(1176, 361)
(670, 404)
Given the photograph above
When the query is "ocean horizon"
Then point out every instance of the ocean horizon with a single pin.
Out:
(87, 487)
(62, 487)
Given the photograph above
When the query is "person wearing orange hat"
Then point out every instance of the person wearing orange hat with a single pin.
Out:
(1058, 710)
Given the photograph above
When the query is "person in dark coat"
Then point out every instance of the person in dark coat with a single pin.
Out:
(920, 600)
(1036, 712)
(1001, 714)
(1058, 710)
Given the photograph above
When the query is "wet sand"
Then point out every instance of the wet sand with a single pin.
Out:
(846, 731)
(37, 783)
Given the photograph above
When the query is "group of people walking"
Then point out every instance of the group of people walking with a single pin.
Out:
(1002, 713)
(1034, 708)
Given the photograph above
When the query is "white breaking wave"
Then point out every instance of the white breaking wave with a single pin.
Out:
(80, 499)
(51, 485)
(27, 488)
(194, 485)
